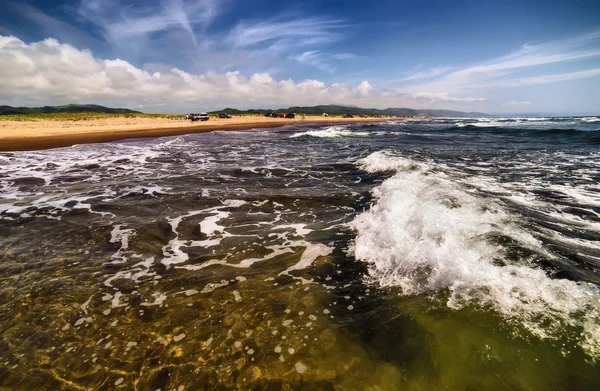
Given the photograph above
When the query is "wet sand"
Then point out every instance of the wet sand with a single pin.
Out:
(45, 134)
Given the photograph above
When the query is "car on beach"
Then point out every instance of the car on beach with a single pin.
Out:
(290, 115)
(198, 117)
(224, 115)
(270, 115)
(348, 116)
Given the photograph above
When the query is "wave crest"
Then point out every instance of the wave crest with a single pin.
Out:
(427, 233)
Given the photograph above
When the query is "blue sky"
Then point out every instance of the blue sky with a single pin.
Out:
(180, 55)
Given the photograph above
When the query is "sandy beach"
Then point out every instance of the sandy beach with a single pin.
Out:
(45, 134)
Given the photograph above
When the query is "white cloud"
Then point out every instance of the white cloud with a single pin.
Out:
(538, 80)
(314, 58)
(285, 38)
(527, 57)
(443, 97)
(428, 74)
(321, 60)
(503, 71)
(522, 103)
(364, 88)
(295, 32)
(47, 25)
(152, 31)
(123, 24)
(52, 72)
(554, 78)
(344, 56)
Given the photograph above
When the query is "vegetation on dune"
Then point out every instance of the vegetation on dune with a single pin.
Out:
(72, 112)
(72, 108)
(76, 116)
(75, 112)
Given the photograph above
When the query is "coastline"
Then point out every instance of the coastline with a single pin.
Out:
(45, 134)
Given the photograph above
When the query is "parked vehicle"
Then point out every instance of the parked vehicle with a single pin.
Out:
(348, 116)
(290, 115)
(198, 117)
(281, 115)
(224, 115)
(270, 115)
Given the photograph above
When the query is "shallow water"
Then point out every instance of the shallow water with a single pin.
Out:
(450, 253)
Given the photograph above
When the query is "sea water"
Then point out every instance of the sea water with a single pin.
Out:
(459, 254)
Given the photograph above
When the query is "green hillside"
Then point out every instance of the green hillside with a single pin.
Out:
(343, 110)
(310, 110)
(72, 108)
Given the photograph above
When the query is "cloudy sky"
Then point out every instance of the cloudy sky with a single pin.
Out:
(191, 55)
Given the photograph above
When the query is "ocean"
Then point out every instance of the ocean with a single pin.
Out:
(455, 254)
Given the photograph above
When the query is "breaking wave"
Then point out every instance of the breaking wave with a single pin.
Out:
(429, 234)
(332, 132)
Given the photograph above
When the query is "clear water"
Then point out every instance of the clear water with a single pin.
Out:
(441, 254)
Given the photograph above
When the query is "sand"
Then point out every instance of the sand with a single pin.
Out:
(45, 134)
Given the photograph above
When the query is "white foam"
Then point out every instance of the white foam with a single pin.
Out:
(159, 299)
(84, 305)
(519, 122)
(237, 296)
(309, 255)
(331, 132)
(172, 251)
(212, 286)
(382, 161)
(52, 165)
(135, 273)
(178, 140)
(116, 301)
(300, 229)
(300, 367)
(179, 337)
(153, 190)
(120, 235)
(427, 233)
(283, 235)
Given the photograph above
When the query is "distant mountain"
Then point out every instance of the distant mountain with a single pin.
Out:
(73, 108)
(343, 110)
(311, 110)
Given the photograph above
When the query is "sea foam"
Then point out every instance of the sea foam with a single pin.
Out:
(335, 131)
(427, 233)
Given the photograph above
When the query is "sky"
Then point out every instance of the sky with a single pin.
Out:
(176, 56)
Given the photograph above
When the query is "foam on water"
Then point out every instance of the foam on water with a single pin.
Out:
(173, 251)
(520, 123)
(120, 235)
(332, 132)
(278, 243)
(427, 233)
(48, 183)
(153, 190)
(310, 254)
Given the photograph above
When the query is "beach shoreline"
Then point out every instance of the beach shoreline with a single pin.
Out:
(48, 134)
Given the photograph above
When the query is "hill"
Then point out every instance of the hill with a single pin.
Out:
(343, 110)
(310, 110)
(72, 108)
